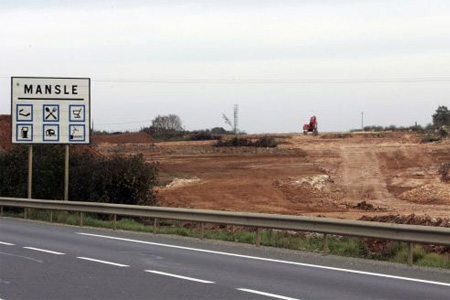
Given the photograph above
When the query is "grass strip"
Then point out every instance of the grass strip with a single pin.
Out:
(343, 246)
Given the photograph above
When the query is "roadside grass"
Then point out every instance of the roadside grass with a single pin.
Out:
(342, 246)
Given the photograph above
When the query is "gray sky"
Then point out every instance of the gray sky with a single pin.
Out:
(281, 61)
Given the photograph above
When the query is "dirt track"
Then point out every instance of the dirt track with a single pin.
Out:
(326, 175)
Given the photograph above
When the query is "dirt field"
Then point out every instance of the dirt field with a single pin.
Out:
(335, 175)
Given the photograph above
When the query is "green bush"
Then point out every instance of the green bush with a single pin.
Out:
(123, 180)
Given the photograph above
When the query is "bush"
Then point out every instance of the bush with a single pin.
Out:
(444, 171)
(264, 141)
(124, 180)
(235, 142)
(203, 136)
(429, 138)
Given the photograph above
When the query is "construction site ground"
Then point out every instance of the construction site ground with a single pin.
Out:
(333, 175)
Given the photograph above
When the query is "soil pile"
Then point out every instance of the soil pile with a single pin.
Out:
(5, 132)
(319, 181)
(178, 182)
(411, 219)
(123, 138)
(433, 193)
(364, 205)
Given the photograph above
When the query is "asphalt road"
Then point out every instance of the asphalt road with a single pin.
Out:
(47, 261)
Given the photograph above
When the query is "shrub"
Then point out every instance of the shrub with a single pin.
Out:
(444, 171)
(430, 138)
(125, 180)
(264, 141)
(203, 136)
(235, 142)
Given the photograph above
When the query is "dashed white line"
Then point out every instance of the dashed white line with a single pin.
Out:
(44, 250)
(7, 244)
(102, 261)
(267, 294)
(270, 260)
(178, 276)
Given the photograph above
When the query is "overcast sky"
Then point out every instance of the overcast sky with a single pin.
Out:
(281, 61)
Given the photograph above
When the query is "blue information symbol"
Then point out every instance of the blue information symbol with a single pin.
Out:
(50, 112)
(77, 113)
(24, 112)
(77, 132)
(24, 132)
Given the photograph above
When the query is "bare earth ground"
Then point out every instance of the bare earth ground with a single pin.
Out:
(329, 175)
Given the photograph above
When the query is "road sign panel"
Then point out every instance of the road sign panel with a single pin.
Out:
(77, 113)
(50, 110)
(51, 132)
(77, 133)
(24, 132)
(24, 112)
(51, 113)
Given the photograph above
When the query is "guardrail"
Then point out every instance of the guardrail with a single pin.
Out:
(397, 232)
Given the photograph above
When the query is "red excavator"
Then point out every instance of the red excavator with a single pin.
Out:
(311, 127)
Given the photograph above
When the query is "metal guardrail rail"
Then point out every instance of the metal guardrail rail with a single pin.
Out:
(397, 232)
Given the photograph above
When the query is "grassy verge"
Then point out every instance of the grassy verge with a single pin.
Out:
(342, 246)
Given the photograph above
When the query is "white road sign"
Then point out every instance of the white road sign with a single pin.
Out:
(50, 110)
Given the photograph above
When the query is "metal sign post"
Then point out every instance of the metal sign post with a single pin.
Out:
(48, 110)
(66, 174)
(30, 171)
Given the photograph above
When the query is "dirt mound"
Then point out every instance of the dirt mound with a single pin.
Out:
(433, 193)
(364, 205)
(123, 138)
(5, 132)
(380, 246)
(411, 219)
(319, 181)
(178, 182)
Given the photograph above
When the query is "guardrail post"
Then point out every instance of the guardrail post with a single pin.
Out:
(326, 249)
(155, 225)
(114, 222)
(258, 237)
(81, 218)
(410, 253)
(202, 230)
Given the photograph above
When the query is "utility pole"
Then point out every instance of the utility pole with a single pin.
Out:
(236, 118)
(362, 121)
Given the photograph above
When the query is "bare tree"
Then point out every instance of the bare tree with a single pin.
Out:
(164, 124)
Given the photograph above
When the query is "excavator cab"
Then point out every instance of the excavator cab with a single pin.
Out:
(311, 126)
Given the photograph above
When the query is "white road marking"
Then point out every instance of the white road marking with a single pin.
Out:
(270, 260)
(7, 244)
(178, 276)
(103, 261)
(24, 257)
(44, 250)
(267, 294)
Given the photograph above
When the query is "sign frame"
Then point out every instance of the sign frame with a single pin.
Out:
(87, 115)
